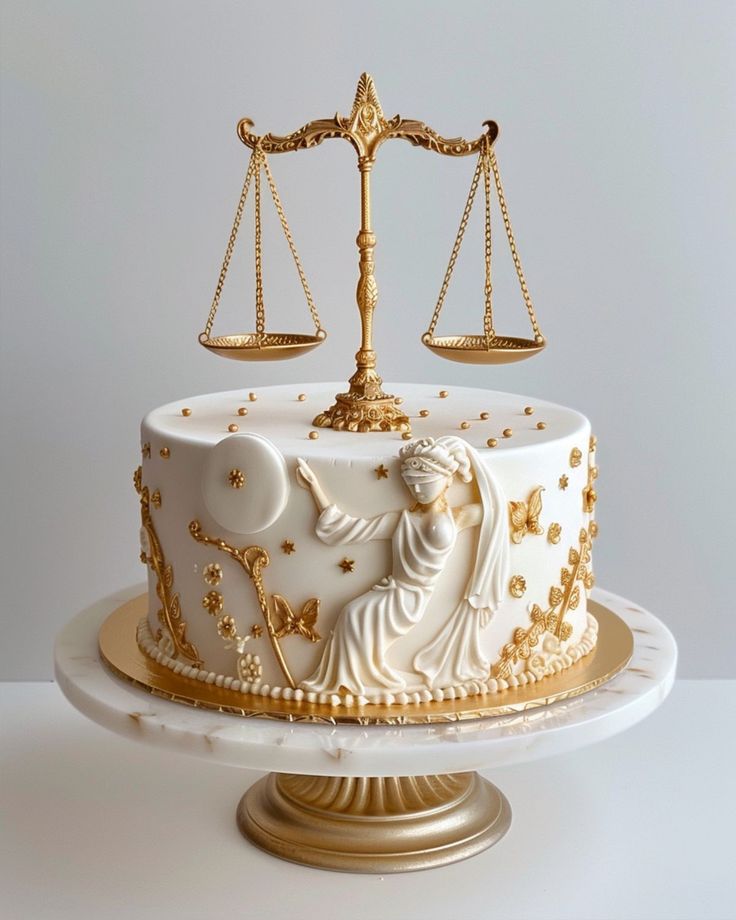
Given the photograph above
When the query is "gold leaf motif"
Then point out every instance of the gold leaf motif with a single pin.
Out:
(555, 596)
(517, 586)
(576, 457)
(554, 532)
(524, 516)
(536, 613)
(565, 576)
(574, 599)
(573, 557)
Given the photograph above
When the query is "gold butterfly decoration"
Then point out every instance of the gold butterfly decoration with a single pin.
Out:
(525, 516)
(301, 624)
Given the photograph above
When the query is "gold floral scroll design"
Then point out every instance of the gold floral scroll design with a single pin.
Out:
(562, 597)
(169, 615)
(253, 559)
(524, 516)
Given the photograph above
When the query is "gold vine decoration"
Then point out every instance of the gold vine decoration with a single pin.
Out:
(252, 560)
(562, 598)
(169, 615)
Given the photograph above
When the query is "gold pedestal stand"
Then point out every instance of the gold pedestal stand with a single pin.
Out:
(374, 824)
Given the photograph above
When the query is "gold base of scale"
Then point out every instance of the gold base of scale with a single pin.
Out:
(368, 824)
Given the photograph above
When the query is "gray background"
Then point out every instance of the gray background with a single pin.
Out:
(120, 174)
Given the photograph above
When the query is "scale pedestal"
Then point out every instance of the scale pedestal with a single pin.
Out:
(369, 798)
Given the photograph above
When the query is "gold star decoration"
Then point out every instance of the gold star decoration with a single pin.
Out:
(381, 472)
(563, 482)
(256, 631)
(347, 565)
(288, 547)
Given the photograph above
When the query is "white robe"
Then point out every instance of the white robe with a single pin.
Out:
(354, 658)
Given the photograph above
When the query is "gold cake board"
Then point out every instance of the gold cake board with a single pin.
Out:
(120, 652)
(368, 824)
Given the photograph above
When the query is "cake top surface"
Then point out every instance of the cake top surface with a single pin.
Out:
(278, 413)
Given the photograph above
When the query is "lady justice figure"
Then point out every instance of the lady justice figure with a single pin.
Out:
(422, 537)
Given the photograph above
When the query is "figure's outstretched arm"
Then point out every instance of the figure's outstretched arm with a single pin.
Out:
(307, 479)
(335, 526)
(468, 516)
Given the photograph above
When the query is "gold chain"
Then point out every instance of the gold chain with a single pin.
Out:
(289, 239)
(488, 312)
(257, 162)
(260, 310)
(514, 254)
(456, 247)
(230, 245)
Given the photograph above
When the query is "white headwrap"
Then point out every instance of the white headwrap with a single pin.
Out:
(455, 654)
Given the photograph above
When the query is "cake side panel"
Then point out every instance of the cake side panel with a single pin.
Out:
(306, 583)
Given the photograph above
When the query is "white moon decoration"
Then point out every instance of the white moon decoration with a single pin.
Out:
(259, 502)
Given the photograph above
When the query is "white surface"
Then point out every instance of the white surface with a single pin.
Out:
(370, 750)
(121, 171)
(639, 827)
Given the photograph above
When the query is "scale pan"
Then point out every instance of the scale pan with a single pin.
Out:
(477, 349)
(264, 346)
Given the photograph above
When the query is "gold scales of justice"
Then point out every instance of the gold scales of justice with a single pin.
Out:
(365, 407)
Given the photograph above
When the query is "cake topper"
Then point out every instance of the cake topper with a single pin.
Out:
(365, 407)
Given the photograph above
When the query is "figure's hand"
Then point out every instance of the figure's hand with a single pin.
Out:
(305, 475)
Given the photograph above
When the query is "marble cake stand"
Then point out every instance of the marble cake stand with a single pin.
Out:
(361, 798)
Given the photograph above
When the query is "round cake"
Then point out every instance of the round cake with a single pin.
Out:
(449, 561)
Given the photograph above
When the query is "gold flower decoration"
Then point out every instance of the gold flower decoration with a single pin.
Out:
(212, 573)
(213, 602)
(236, 478)
(227, 628)
(288, 547)
(250, 668)
(563, 482)
(576, 457)
(517, 586)
(554, 531)
(256, 630)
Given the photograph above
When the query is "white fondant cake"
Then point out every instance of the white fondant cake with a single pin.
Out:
(356, 569)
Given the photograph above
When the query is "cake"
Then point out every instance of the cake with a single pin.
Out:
(393, 568)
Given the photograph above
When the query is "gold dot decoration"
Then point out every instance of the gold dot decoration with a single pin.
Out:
(541, 425)
(164, 453)
(313, 435)
(242, 411)
(288, 547)
(381, 472)
(465, 425)
(398, 401)
(517, 586)
(233, 428)
(186, 412)
(528, 410)
(508, 432)
(146, 451)
(423, 413)
(484, 416)
(236, 478)
(156, 499)
(252, 397)
(444, 394)
(554, 532)
(491, 442)
(347, 565)
(576, 457)
(301, 397)
(213, 602)
(256, 631)
(563, 482)
(212, 573)
(406, 436)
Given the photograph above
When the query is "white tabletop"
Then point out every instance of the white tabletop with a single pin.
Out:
(638, 826)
